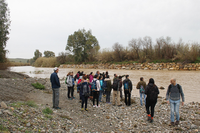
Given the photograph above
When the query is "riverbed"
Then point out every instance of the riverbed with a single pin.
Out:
(187, 79)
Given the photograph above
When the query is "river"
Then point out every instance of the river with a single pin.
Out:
(187, 79)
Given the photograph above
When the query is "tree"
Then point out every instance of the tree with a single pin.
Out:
(4, 29)
(135, 46)
(83, 45)
(118, 52)
(49, 54)
(62, 57)
(37, 54)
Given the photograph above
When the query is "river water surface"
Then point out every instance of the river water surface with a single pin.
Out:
(189, 80)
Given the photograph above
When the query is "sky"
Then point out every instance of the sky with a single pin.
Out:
(46, 24)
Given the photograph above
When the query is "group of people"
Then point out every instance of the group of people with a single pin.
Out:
(94, 86)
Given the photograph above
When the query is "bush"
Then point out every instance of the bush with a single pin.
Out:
(47, 111)
(31, 104)
(4, 66)
(38, 86)
(46, 62)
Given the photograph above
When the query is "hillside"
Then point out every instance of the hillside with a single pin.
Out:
(18, 60)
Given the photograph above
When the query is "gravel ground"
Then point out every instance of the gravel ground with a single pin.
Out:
(26, 104)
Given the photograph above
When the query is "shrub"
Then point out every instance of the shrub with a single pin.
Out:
(46, 62)
(31, 104)
(38, 86)
(47, 111)
(48, 116)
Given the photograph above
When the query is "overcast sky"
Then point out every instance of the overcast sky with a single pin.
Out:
(46, 24)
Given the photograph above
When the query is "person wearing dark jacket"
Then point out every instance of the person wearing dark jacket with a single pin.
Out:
(127, 90)
(84, 92)
(152, 94)
(108, 90)
(55, 83)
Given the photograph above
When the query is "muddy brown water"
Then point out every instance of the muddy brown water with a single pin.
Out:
(189, 80)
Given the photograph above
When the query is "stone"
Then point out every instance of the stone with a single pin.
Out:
(7, 112)
(3, 105)
(162, 88)
(193, 126)
(12, 108)
(28, 124)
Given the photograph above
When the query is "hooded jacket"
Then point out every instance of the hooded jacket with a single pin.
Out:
(129, 83)
(151, 87)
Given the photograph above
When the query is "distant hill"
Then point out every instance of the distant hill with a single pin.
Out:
(18, 60)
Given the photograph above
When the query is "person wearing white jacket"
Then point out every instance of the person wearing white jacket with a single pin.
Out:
(95, 90)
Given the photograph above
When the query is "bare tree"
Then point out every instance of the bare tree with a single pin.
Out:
(118, 52)
(135, 47)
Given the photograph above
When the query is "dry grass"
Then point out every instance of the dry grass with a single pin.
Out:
(19, 64)
(46, 62)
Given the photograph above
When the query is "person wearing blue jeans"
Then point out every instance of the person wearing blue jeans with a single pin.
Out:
(144, 96)
(141, 86)
(173, 98)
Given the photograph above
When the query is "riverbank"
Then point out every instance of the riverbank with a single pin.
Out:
(26, 105)
(138, 66)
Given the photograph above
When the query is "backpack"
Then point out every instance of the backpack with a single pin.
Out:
(153, 95)
(94, 85)
(126, 86)
(104, 85)
(115, 84)
(142, 89)
(179, 88)
(85, 89)
(70, 82)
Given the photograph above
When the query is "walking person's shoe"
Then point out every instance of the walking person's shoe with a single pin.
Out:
(53, 106)
(86, 109)
(73, 97)
(177, 122)
(172, 124)
(82, 109)
(120, 105)
(149, 117)
(94, 106)
(98, 106)
(151, 121)
(57, 108)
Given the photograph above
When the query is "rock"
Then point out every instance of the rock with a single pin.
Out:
(12, 108)
(28, 124)
(162, 88)
(107, 117)
(3, 105)
(193, 126)
(7, 112)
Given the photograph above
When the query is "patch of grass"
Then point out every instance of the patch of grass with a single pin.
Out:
(31, 104)
(19, 104)
(38, 86)
(47, 111)
(48, 116)
(2, 128)
(16, 105)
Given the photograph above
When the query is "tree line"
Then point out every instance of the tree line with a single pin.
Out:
(83, 47)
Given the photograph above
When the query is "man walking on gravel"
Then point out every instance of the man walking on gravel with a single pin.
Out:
(142, 86)
(55, 83)
(173, 98)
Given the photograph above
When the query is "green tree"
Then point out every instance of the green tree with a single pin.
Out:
(49, 54)
(37, 54)
(83, 45)
(4, 29)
